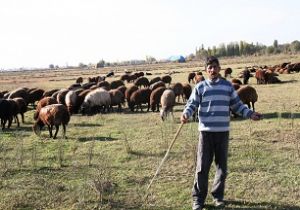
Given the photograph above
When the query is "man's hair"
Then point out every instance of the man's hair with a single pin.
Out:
(210, 60)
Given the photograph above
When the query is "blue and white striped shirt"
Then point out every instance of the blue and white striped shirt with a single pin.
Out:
(214, 100)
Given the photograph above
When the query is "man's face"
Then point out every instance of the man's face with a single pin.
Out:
(213, 71)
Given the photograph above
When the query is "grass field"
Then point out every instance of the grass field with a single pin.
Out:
(108, 160)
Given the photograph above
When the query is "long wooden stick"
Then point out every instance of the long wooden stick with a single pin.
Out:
(163, 160)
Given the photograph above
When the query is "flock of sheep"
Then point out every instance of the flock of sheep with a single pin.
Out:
(55, 107)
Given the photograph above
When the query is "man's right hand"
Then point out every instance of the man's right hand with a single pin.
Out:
(184, 118)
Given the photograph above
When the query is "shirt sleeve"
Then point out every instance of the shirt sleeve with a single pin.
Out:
(193, 102)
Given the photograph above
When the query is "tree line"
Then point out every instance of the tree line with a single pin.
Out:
(243, 48)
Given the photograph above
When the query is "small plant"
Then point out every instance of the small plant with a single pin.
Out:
(91, 152)
(126, 144)
(101, 181)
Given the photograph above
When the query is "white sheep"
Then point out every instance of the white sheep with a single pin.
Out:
(95, 101)
(167, 102)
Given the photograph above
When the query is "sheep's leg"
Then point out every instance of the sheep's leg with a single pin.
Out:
(22, 115)
(157, 105)
(50, 130)
(17, 121)
(9, 122)
(253, 106)
(57, 128)
(64, 131)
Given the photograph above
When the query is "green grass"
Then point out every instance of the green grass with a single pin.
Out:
(125, 149)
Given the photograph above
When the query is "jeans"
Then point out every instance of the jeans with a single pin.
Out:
(211, 145)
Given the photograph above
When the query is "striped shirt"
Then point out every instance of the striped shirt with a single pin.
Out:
(214, 100)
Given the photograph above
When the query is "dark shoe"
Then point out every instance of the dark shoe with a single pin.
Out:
(219, 203)
(197, 206)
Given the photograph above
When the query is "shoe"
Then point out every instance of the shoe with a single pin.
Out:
(219, 203)
(197, 206)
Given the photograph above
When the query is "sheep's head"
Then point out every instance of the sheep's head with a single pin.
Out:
(163, 114)
(38, 125)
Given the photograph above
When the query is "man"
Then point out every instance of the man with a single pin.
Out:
(213, 97)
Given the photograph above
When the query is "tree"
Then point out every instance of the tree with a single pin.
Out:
(295, 46)
(51, 66)
(100, 64)
(150, 59)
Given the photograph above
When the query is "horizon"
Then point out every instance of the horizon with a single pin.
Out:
(36, 33)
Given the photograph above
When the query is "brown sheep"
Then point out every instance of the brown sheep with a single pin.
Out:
(166, 79)
(79, 80)
(178, 90)
(52, 115)
(153, 80)
(22, 108)
(248, 95)
(191, 76)
(157, 85)
(155, 98)
(227, 72)
(142, 81)
(35, 94)
(187, 91)
(115, 84)
(129, 92)
(198, 78)
(50, 92)
(42, 103)
(117, 98)
(139, 97)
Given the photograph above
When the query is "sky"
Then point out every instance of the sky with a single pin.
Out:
(36, 33)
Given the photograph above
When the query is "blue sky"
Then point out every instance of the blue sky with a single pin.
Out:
(36, 33)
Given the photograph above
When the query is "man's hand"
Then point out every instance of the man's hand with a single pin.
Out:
(256, 116)
(184, 118)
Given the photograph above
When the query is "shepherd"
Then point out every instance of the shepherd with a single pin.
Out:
(213, 98)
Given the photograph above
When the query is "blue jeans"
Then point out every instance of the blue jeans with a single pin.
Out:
(211, 145)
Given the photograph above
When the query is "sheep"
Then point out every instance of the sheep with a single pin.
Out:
(227, 72)
(142, 81)
(49, 92)
(95, 101)
(19, 92)
(125, 77)
(104, 84)
(237, 81)
(187, 91)
(236, 86)
(123, 90)
(80, 98)
(71, 101)
(198, 78)
(178, 89)
(42, 103)
(52, 115)
(88, 85)
(139, 97)
(117, 98)
(6, 113)
(109, 74)
(129, 92)
(22, 108)
(248, 94)
(155, 98)
(157, 84)
(35, 94)
(155, 79)
(61, 96)
(167, 101)
(191, 76)
(166, 79)
(115, 84)
(74, 86)
(79, 80)
(139, 74)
